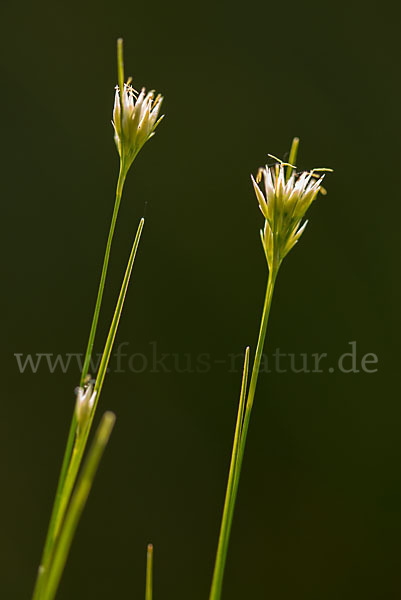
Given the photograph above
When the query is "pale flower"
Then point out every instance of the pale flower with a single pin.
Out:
(134, 121)
(284, 204)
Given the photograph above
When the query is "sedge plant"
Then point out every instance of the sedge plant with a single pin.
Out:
(284, 200)
(135, 118)
(286, 197)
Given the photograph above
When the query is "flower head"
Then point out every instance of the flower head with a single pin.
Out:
(285, 200)
(134, 120)
(84, 404)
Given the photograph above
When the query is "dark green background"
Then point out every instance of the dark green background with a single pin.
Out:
(319, 508)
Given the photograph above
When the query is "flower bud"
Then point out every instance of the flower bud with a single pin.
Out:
(84, 405)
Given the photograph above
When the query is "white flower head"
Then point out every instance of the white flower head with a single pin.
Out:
(134, 120)
(284, 203)
(84, 404)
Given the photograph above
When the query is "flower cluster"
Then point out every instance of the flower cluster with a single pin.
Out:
(284, 204)
(134, 121)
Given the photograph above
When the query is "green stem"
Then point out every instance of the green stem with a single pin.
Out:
(244, 415)
(262, 335)
(71, 449)
(293, 157)
(256, 366)
(120, 71)
(120, 184)
(231, 493)
(81, 439)
(50, 533)
(46, 569)
(78, 502)
(117, 314)
(149, 573)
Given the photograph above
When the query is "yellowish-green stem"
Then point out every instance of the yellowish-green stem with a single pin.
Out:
(78, 502)
(55, 516)
(149, 573)
(244, 414)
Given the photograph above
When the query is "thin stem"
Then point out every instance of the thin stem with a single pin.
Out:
(256, 366)
(149, 573)
(240, 442)
(117, 313)
(50, 533)
(120, 70)
(120, 184)
(231, 494)
(78, 502)
(55, 516)
(255, 373)
(81, 439)
(262, 334)
(293, 156)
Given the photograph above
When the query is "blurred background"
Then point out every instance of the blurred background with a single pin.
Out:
(319, 506)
